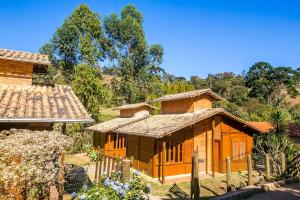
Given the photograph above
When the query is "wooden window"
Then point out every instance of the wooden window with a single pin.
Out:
(119, 141)
(174, 152)
(242, 150)
(238, 150)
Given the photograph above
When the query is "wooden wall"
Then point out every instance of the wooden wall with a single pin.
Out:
(177, 106)
(132, 112)
(203, 101)
(235, 133)
(187, 105)
(13, 72)
(186, 136)
(141, 150)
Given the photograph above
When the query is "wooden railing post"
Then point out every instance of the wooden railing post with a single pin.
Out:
(96, 171)
(228, 173)
(267, 165)
(195, 182)
(283, 165)
(125, 170)
(249, 167)
(163, 162)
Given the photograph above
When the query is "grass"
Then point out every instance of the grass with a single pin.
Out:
(209, 187)
(80, 159)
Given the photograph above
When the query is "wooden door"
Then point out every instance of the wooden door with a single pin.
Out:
(217, 157)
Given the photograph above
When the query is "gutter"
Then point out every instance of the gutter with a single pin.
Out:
(49, 120)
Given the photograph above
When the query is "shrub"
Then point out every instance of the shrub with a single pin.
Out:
(31, 160)
(114, 188)
(274, 144)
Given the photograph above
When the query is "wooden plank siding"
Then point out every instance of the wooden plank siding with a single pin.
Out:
(188, 105)
(14, 72)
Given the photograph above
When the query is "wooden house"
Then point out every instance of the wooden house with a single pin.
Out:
(24, 104)
(162, 145)
(114, 143)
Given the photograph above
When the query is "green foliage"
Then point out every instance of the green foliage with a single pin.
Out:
(137, 63)
(91, 152)
(295, 113)
(274, 144)
(79, 40)
(267, 83)
(230, 107)
(279, 118)
(87, 85)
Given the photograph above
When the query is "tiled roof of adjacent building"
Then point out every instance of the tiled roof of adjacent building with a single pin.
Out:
(32, 103)
(24, 56)
(189, 94)
(159, 126)
(136, 105)
(263, 126)
(113, 124)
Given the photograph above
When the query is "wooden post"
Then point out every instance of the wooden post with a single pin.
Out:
(119, 165)
(62, 172)
(163, 162)
(213, 124)
(283, 165)
(249, 168)
(267, 165)
(228, 174)
(125, 170)
(195, 181)
(96, 171)
(100, 167)
(64, 128)
(206, 156)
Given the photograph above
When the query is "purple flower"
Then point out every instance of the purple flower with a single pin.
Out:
(73, 195)
(126, 186)
(122, 193)
(107, 182)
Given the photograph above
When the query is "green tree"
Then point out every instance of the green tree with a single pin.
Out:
(88, 87)
(268, 83)
(79, 40)
(137, 62)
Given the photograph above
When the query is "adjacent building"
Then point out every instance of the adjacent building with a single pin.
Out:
(26, 104)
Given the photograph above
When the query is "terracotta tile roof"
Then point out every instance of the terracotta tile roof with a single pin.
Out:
(136, 105)
(33, 103)
(24, 56)
(189, 94)
(159, 126)
(263, 126)
(113, 124)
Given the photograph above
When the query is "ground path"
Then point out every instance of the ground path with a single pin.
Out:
(288, 192)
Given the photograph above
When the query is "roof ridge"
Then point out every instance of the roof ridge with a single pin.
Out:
(21, 51)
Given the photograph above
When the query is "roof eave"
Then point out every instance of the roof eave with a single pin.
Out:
(45, 120)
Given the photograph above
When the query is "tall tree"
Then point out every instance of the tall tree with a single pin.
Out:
(79, 40)
(136, 60)
(88, 87)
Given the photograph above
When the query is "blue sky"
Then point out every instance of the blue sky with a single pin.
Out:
(199, 37)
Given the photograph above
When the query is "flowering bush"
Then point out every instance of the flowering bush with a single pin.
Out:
(113, 188)
(31, 160)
